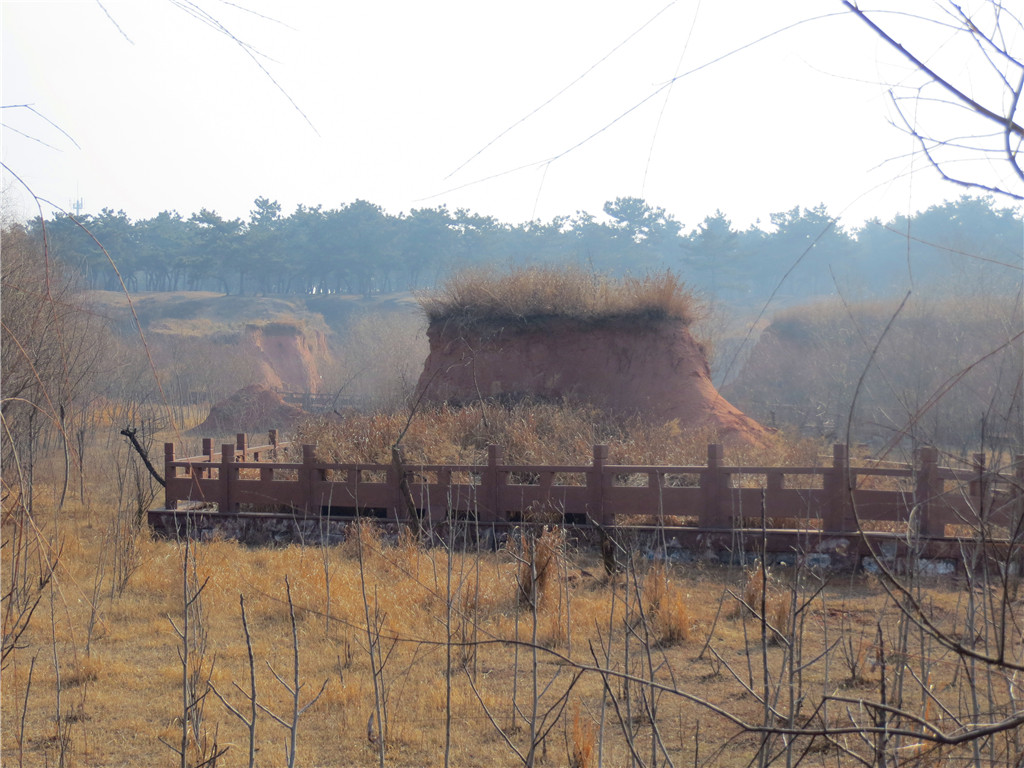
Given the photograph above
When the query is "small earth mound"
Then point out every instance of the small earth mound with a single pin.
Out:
(251, 409)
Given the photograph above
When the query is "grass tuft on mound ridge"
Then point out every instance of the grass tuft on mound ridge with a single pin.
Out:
(524, 297)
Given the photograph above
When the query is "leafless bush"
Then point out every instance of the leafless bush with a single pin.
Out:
(136, 491)
(29, 564)
(51, 349)
(540, 559)
(294, 689)
(197, 746)
(531, 432)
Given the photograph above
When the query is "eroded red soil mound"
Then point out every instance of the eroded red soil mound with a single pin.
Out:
(654, 369)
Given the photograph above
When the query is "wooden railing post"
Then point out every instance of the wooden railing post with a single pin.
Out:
(241, 445)
(208, 453)
(595, 486)
(775, 483)
(272, 439)
(838, 517)
(490, 486)
(714, 486)
(228, 475)
(170, 500)
(1017, 498)
(307, 480)
(978, 485)
(929, 488)
(394, 482)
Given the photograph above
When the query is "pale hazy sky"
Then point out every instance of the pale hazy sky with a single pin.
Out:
(393, 100)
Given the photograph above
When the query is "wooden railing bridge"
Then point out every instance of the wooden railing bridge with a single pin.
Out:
(836, 500)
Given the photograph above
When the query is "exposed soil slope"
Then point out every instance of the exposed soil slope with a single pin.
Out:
(286, 356)
(288, 342)
(654, 369)
(206, 314)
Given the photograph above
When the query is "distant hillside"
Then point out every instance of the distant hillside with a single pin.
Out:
(206, 346)
(204, 313)
(939, 372)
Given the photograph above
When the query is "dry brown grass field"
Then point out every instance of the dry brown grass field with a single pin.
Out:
(470, 658)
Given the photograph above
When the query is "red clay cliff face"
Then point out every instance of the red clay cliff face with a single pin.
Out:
(655, 370)
(285, 356)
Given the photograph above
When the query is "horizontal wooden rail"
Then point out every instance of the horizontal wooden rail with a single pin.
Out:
(708, 496)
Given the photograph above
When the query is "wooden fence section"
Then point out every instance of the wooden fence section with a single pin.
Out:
(835, 498)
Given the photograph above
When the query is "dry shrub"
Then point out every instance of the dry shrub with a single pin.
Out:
(754, 587)
(673, 619)
(405, 556)
(780, 613)
(540, 561)
(584, 738)
(359, 438)
(467, 598)
(592, 606)
(363, 538)
(481, 299)
(552, 626)
(199, 751)
(84, 670)
(665, 606)
(761, 584)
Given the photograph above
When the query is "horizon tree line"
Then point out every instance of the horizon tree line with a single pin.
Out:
(359, 248)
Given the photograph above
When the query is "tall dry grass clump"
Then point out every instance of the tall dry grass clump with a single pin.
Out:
(481, 299)
(584, 739)
(666, 606)
(762, 586)
(540, 558)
